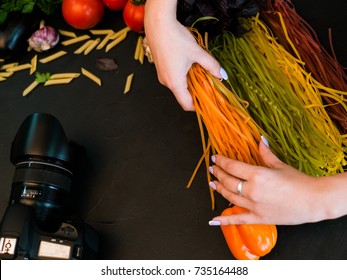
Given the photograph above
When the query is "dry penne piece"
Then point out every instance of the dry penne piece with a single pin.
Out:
(30, 88)
(6, 74)
(91, 76)
(64, 76)
(53, 57)
(138, 46)
(57, 81)
(115, 42)
(67, 33)
(104, 41)
(75, 40)
(9, 65)
(128, 83)
(2, 79)
(33, 64)
(92, 46)
(141, 55)
(82, 48)
(19, 67)
(120, 32)
(101, 31)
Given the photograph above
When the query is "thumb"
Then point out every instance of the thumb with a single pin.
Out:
(208, 62)
(234, 219)
(269, 158)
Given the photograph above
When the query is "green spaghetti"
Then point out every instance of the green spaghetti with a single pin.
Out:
(284, 100)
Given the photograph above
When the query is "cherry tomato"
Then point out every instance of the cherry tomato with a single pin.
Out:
(115, 5)
(133, 14)
(83, 14)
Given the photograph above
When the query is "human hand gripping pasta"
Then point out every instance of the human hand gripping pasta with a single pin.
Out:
(277, 194)
(174, 50)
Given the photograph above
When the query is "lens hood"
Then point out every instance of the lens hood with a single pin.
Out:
(42, 137)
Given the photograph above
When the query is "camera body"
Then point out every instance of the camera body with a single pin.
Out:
(21, 238)
(38, 223)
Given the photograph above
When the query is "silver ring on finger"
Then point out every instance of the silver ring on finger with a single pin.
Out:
(239, 187)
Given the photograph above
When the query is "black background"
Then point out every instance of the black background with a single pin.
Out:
(142, 149)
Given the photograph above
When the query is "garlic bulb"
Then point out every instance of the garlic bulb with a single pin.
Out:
(44, 39)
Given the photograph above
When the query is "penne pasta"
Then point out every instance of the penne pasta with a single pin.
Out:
(104, 41)
(67, 33)
(75, 40)
(115, 42)
(9, 65)
(57, 81)
(6, 74)
(19, 67)
(33, 64)
(120, 32)
(53, 57)
(64, 76)
(141, 54)
(138, 46)
(2, 79)
(82, 48)
(128, 83)
(92, 46)
(91, 76)
(30, 88)
(101, 31)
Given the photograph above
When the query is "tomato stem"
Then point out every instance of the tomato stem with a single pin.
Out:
(138, 2)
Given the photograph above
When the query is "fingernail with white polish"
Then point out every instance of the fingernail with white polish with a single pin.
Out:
(212, 185)
(213, 158)
(210, 169)
(223, 74)
(214, 223)
(265, 141)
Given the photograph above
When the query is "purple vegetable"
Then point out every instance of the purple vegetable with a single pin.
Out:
(106, 64)
(44, 39)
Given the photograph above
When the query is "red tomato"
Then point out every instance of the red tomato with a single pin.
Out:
(83, 14)
(115, 5)
(133, 14)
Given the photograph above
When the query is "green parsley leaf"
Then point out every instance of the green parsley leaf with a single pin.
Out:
(42, 77)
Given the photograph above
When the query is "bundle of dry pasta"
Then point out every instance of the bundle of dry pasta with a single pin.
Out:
(231, 130)
(299, 38)
(284, 99)
(232, 133)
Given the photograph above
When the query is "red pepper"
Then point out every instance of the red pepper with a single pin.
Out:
(248, 242)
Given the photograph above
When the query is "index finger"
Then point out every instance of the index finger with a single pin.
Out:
(234, 167)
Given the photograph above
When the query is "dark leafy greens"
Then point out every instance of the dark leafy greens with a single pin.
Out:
(26, 7)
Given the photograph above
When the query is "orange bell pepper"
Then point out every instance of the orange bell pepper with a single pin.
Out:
(248, 242)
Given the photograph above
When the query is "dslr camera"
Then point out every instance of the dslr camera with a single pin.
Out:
(37, 223)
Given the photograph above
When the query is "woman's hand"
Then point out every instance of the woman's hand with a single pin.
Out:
(174, 50)
(277, 194)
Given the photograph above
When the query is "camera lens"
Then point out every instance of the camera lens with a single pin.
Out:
(46, 187)
(44, 159)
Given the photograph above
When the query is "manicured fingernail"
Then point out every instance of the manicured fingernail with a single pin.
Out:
(223, 74)
(214, 223)
(212, 185)
(210, 169)
(265, 141)
(213, 158)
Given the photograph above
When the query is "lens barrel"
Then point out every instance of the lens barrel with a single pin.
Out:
(45, 162)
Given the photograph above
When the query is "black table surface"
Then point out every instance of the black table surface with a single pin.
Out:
(142, 149)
